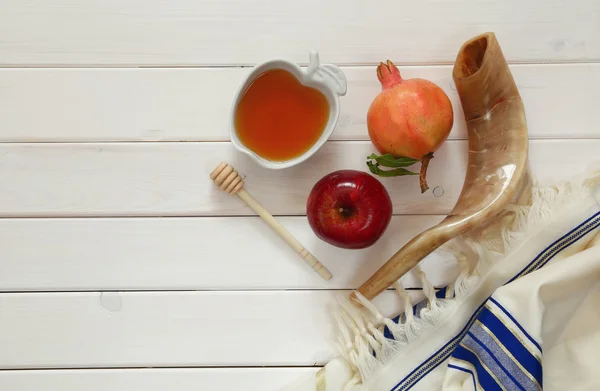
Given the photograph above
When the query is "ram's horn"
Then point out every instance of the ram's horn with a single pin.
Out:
(498, 147)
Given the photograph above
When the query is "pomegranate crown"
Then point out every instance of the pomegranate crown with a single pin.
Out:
(388, 74)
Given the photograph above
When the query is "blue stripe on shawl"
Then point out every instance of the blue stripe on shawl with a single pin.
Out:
(441, 293)
(499, 366)
(386, 331)
(511, 343)
(522, 380)
(525, 333)
(560, 244)
(487, 382)
(419, 306)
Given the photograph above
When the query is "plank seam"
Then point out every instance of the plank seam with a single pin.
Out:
(128, 291)
(164, 368)
(183, 142)
(250, 65)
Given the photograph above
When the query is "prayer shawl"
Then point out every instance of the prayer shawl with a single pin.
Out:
(524, 313)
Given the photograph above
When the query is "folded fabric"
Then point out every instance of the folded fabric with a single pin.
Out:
(522, 315)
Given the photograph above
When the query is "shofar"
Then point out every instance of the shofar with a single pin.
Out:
(498, 147)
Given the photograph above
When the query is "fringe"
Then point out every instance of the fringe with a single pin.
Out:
(361, 341)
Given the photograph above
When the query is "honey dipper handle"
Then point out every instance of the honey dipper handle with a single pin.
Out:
(281, 231)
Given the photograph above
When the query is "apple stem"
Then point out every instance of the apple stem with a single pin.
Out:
(423, 174)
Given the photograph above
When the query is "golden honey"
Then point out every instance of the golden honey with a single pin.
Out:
(279, 118)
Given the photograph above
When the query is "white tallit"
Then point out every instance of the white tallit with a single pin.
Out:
(524, 314)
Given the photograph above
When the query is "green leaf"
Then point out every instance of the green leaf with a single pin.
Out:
(374, 168)
(388, 160)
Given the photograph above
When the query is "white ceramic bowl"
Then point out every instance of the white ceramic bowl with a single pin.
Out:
(327, 78)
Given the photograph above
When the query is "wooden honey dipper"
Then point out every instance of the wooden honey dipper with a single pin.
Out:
(228, 179)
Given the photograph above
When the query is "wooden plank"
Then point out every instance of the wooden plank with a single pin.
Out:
(171, 179)
(191, 254)
(170, 329)
(152, 379)
(185, 32)
(193, 104)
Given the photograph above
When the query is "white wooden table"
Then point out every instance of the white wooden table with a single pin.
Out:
(112, 114)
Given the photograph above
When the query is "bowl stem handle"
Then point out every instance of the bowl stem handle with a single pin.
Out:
(328, 74)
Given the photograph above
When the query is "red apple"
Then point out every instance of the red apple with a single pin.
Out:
(349, 209)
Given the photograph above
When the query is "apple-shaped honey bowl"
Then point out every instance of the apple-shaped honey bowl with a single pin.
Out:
(282, 113)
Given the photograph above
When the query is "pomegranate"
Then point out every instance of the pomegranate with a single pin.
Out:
(407, 121)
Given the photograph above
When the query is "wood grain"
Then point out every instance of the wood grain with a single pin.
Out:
(87, 105)
(152, 379)
(172, 179)
(188, 254)
(231, 182)
(188, 32)
(158, 329)
(113, 87)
